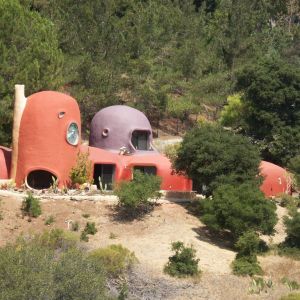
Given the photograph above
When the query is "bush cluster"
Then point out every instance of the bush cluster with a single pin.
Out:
(238, 209)
(136, 195)
(246, 262)
(49, 266)
(31, 206)
(82, 171)
(183, 263)
(90, 228)
(115, 259)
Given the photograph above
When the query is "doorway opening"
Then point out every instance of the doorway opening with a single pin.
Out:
(40, 179)
(104, 175)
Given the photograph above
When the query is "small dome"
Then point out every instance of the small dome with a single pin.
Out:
(121, 126)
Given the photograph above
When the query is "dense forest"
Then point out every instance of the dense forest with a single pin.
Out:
(168, 58)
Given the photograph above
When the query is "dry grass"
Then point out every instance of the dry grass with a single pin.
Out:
(150, 239)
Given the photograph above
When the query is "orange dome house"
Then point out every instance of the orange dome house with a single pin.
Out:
(46, 141)
(276, 180)
(49, 138)
(126, 133)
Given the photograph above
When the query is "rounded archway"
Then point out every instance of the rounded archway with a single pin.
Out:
(40, 179)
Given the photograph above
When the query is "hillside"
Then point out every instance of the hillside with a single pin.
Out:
(150, 239)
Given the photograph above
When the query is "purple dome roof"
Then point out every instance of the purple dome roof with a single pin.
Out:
(113, 126)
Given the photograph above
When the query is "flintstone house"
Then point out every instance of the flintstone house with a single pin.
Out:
(47, 139)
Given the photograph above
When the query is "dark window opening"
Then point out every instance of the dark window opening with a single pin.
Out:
(150, 170)
(140, 140)
(104, 174)
(40, 179)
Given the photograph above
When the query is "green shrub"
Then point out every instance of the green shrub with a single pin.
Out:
(183, 263)
(115, 259)
(285, 250)
(293, 230)
(246, 262)
(31, 206)
(82, 171)
(49, 220)
(248, 244)
(292, 284)
(239, 209)
(294, 166)
(246, 265)
(37, 267)
(290, 202)
(53, 239)
(75, 277)
(86, 215)
(136, 195)
(210, 155)
(90, 228)
(84, 236)
(258, 284)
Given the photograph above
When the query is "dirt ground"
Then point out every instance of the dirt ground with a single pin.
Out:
(150, 239)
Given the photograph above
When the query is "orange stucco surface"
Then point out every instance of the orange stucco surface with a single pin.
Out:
(42, 139)
(5, 161)
(276, 179)
(43, 146)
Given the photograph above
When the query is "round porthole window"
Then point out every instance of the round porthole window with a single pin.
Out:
(73, 134)
(105, 132)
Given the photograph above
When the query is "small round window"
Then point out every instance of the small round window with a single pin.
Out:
(73, 134)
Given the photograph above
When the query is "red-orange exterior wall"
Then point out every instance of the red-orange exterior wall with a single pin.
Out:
(42, 139)
(276, 180)
(5, 161)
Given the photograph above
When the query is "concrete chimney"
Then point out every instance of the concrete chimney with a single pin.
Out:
(19, 106)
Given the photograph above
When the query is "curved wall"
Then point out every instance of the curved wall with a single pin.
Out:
(112, 128)
(42, 137)
(276, 180)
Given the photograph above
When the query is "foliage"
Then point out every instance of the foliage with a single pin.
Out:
(85, 215)
(136, 195)
(272, 106)
(246, 262)
(82, 171)
(232, 113)
(33, 269)
(247, 244)
(49, 220)
(294, 166)
(31, 206)
(210, 155)
(29, 54)
(292, 284)
(246, 265)
(90, 228)
(239, 209)
(259, 284)
(171, 151)
(293, 230)
(115, 259)
(183, 263)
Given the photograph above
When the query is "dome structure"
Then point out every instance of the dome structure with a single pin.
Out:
(276, 180)
(49, 139)
(121, 127)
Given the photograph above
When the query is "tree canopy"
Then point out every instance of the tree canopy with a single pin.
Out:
(211, 155)
(29, 53)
